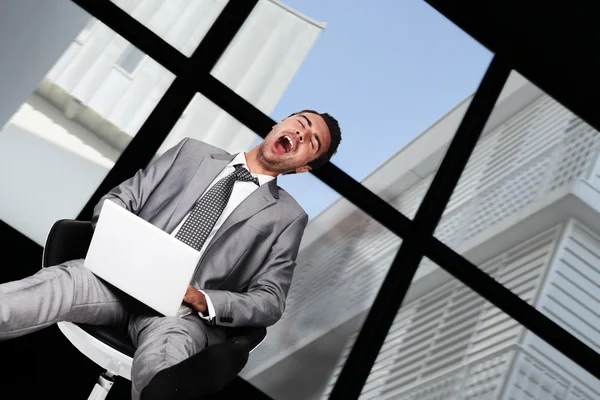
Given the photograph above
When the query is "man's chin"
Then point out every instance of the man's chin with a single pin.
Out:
(276, 164)
(272, 157)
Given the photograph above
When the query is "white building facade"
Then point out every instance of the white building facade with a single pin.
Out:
(526, 210)
(75, 123)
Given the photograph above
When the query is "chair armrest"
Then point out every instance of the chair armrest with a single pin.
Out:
(67, 240)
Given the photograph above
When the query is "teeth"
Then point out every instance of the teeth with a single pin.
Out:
(291, 142)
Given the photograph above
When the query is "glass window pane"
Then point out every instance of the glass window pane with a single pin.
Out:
(417, 163)
(385, 70)
(205, 121)
(535, 167)
(447, 342)
(524, 210)
(272, 43)
(181, 23)
(75, 119)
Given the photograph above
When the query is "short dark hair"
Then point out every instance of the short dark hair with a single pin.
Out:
(334, 131)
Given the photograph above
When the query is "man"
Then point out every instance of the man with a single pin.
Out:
(229, 207)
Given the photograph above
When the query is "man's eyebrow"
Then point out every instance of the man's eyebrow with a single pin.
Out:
(318, 141)
(308, 121)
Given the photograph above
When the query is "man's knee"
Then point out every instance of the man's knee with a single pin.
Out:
(44, 280)
(51, 294)
(73, 270)
(64, 277)
(163, 342)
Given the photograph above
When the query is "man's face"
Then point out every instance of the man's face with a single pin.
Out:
(295, 142)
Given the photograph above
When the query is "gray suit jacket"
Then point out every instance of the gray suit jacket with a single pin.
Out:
(247, 268)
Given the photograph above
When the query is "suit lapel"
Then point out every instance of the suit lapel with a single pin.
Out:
(260, 199)
(207, 171)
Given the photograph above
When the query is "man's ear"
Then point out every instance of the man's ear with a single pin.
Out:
(304, 168)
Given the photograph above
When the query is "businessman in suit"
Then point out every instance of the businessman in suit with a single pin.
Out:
(229, 207)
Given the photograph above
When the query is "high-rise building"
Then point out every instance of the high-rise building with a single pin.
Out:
(526, 211)
(97, 90)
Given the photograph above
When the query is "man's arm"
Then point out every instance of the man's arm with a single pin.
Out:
(133, 193)
(264, 302)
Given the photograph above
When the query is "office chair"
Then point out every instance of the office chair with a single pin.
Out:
(110, 348)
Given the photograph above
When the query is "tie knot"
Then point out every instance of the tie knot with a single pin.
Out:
(242, 174)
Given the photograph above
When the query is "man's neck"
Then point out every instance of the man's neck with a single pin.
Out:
(255, 166)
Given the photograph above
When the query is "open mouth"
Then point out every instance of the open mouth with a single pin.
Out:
(284, 144)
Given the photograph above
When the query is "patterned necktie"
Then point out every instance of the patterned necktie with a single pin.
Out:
(209, 208)
(206, 212)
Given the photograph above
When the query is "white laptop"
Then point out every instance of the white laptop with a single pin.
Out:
(140, 259)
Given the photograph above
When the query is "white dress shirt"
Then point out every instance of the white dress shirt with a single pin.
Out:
(241, 190)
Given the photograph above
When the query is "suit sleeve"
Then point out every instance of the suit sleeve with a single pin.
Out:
(133, 193)
(264, 302)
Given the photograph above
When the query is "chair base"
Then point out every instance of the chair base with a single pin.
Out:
(102, 386)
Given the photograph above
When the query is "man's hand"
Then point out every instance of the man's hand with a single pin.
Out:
(196, 299)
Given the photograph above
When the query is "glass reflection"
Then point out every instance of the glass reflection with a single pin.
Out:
(448, 342)
(65, 137)
(181, 23)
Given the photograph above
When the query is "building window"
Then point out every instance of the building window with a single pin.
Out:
(130, 59)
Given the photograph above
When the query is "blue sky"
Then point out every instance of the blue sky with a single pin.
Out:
(387, 70)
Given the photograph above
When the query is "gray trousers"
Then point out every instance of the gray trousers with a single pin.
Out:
(70, 292)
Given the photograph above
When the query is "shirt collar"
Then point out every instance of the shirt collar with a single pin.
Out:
(240, 158)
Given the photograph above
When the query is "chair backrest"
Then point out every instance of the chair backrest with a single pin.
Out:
(70, 239)
(67, 240)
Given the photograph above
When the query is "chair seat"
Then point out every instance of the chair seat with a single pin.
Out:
(112, 337)
(119, 340)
